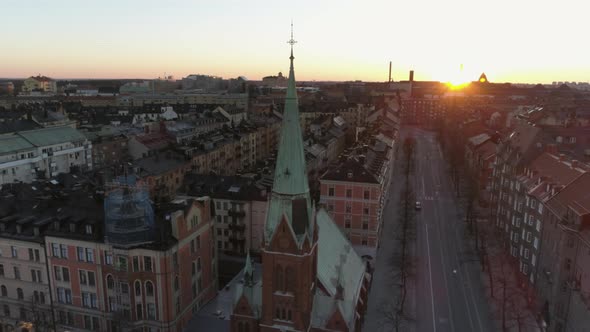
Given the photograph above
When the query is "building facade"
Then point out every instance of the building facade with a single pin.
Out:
(43, 153)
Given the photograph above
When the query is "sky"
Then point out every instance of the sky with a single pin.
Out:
(522, 41)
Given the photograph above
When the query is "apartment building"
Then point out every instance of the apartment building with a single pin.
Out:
(354, 193)
(25, 292)
(564, 270)
(39, 84)
(93, 279)
(42, 153)
(240, 208)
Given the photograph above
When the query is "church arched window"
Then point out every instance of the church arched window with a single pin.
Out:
(290, 279)
(279, 278)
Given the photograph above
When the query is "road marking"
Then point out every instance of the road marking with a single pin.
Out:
(430, 272)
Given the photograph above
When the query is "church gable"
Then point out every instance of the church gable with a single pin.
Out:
(337, 322)
(283, 239)
(243, 307)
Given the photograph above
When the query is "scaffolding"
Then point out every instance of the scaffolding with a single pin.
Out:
(129, 216)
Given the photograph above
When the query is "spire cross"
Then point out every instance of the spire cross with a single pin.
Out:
(291, 41)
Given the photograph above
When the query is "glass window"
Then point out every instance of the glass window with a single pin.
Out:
(147, 263)
(90, 255)
(331, 191)
(80, 252)
(149, 288)
(349, 193)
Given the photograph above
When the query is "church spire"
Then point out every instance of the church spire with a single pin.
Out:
(248, 271)
(290, 190)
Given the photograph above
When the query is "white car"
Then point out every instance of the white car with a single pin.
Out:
(418, 205)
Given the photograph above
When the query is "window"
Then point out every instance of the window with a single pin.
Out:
(36, 276)
(137, 288)
(91, 279)
(348, 207)
(3, 291)
(64, 250)
(22, 314)
(536, 243)
(347, 223)
(279, 278)
(138, 311)
(198, 242)
(176, 283)
(19, 294)
(90, 255)
(526, 253)
(108, 258)
(193, 246)
(55, 250)
(122, 264)
(147, 263)
(330, 191)
(364, 241)
(367, 194)
(135, 264)
(528, 236)
(175, 259)
(110, 282)
(80, 252)
(365, 224)
(538, 225)
(31, 255)
(65, 274)
(348, 193)
(14, 251)
(366, 210)
(83, 279)
(16, 273)
(151, 311)
(149, 288)
(124, 288)
(6, 310)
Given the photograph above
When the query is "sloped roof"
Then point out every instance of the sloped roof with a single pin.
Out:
(13, 143)
(338, 264)
(576, 195)
(557, 171)
(359, 173)
(53, 135)
(479, 139)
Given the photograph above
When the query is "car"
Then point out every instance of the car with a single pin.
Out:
(418, 205)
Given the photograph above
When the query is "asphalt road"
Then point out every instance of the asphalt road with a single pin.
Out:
(446, 292)
(449, 293)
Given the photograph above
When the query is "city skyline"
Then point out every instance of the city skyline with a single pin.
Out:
(229, 39)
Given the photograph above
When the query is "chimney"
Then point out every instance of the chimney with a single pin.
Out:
(575, 163)
(389, 72)
(411, 76)
(561, 157)
(551, 148)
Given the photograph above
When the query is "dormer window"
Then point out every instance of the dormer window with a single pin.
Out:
(349, 175)
(72, 227)
(89, 229)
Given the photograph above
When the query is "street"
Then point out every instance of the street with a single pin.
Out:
(447, 292)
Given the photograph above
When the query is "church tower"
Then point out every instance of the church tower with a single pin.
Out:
(289, 254)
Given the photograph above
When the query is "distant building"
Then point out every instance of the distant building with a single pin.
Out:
(6, 88)
(39, 83)
(278, 80)
(43, 153)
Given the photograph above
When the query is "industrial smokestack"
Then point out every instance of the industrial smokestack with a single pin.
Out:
(411, 76)
(389, 72)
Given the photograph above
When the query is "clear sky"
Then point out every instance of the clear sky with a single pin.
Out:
(510, 40)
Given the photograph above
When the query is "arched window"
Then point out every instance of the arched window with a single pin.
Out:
(36, 296)
(176, 286)
(137, 288)
(4, 291)
(110, 282)
(290, 279)
(149, 288)
(19, 293)
(279, 278)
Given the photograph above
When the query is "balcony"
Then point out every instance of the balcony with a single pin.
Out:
(237, 237)
(235, 227)
(236, 214)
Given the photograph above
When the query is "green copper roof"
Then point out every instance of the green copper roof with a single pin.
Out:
(290, 180)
